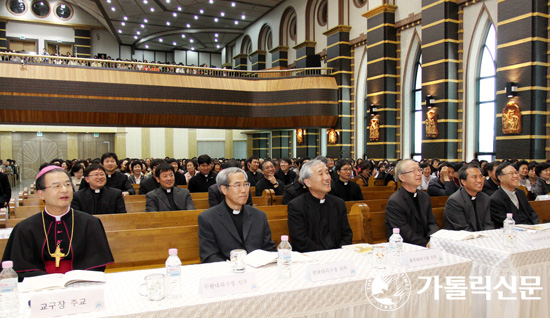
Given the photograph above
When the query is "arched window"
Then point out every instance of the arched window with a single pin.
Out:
(486, 96)
(416, 126)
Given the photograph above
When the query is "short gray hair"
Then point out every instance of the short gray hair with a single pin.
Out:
(223, 176)
(306, 171)
(399, 168)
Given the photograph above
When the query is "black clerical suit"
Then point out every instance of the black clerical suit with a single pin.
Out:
(103, 201)
(463, 213)
(287, 178)
(5, 190)
(221, 230)
(180, 178)
(316, 226)
(412, 215)
(254, 177)
(201, 182)
(266, 184)
(216, 196)
(294, 190)
(489, 187)
(117, 180)
(148, 184)
(347, 191)
(502, 204)
(436, 188)
(174, 199)
(28, 250)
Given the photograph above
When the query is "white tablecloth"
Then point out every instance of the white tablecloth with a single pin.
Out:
(276, 297)
(495, 262)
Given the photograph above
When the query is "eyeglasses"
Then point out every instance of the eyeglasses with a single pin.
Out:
(57, 186)
(477, 176)
(239, 185)
(96, 175)
(413, 171)
(346, 169)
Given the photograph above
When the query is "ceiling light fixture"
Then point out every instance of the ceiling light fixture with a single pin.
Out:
(142, 26)
(145, 20)
(201, 11)
(191, 40)
(188, 25)
(211, 1)
(236, 22)
(179, 8)
(222, 14)
(216, 34)
(218, 46)
(113, 8)
(135, 37)
(138, 33)
(146, 46)
(119, 31)
(125, 18)
(233, 4)
(243, 17)
(167, 22)
(174, 43)
(175, 14)
(160, 40)
(215, 19)
(192, 48)
(152, 9)
(196, 17)
(183, 36)
(123, 23)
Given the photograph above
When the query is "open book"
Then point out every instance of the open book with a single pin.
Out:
(260, 258)
(457, 235)
(53, 281)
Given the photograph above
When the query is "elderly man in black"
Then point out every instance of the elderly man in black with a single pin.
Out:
(410, 209)
(317, 220)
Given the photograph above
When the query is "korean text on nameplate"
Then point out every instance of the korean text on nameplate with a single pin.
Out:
(227, 285)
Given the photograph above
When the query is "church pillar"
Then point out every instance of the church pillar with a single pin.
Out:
(279, 57)
(258, 60)
(241, 62)
(522, 58)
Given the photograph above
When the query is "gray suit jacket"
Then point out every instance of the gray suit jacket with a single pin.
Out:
(460, 214)
(218, 234)
(156, 200)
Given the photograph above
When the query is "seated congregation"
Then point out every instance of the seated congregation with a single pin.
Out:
(320, 203)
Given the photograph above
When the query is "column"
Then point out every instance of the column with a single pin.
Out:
(340, 60)
(260, 145)
(241, 62)
(3, 40)
(522, 57)
(279, 56)
(82, 43)
(310, 146)
(440, 65)
(281, 144)
(382, 81)
(303, 50)
(258, 60)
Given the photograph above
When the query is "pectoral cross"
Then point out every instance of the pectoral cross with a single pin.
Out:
(58, 255)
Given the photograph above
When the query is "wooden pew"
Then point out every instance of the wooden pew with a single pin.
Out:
(543, 210)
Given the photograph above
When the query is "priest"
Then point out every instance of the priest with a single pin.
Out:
(58, 239)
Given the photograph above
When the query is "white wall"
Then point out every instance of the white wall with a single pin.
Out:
(133, 142)
(42, 34)
(104, 42)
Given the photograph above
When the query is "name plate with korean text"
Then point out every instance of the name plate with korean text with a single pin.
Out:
(227, 285)
(67, 302)
(425, 257)
(326, 271)
(5, 233)
(538, 239)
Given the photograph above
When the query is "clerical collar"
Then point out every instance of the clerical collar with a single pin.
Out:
(57, 217)
(322, 200)
(109, 175)
(97, 191)
(167, 190)
(234, 212)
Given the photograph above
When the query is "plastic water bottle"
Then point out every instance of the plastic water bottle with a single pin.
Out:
(9, 295)
(173, 274)
(284, 259)
(509, 232)
(396, 247)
